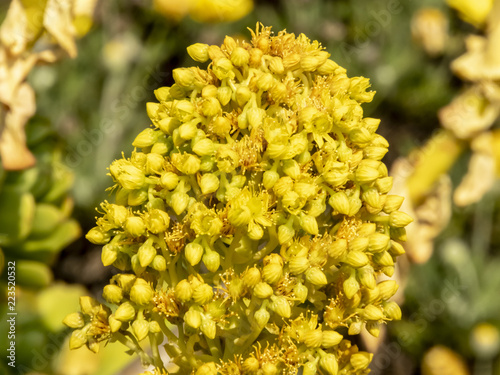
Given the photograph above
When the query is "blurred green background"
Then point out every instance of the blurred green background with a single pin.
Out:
(89, 110)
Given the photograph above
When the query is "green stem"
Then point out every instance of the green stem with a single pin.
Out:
(133, 345)
(156, 353)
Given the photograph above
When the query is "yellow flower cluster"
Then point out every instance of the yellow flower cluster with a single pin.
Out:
(254, 217)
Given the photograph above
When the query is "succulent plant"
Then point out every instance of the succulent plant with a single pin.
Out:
(252, 221)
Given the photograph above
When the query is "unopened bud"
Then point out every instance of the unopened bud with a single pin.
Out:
(272, 273)
(198, 52)
(193, 253)
(356, 259)
(281, 306)
(202, 294)
(183, 291)
(298, 265)
(74, 320)
(372, 312)
(208, 327)
(252, 277)
(209, 183)
(263, 290)
(98, 236)
(193, 318)
(78, 339)
(350, 286)
(316, 277)
(140, 329)
(399, 219)
(141, 293)
(340, 203)
(211, 259)
(125, 312)
(112, 294)
(135, 226)
(313, 338)
(331, 338)
(329, 364)
(360, 360)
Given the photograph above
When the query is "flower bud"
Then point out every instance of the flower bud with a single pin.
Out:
(252, 277)
(140, 328)
(243, 95)
(153, 108)
(392, 203)
(179, 202)
(310, 368)
(300, 292)
(387, 289)
(125, 312)
(109, 254)
(269, 369)
(373, 328)
(204, 147)
(331, 338)
(141, 294)
(285, 233)
(183, 76)
(224, 94)
(281, 306)
(328, 67)
(89, 305)
(298, 265)
(127, 175)
(169, 180)
(309, 224)
(193, 253)
(272, 273)
(211, 107)
(396, 249)
(78, 339)
(383, 259)
(265, 81)
(209, 183)
(356, 259)
(358, 244)
(366, 276)
(209, 91)
(313, 338)
(114, 324)
(98, 236)
(74, 320)
(372, 312)
(168, 124)
(340, 203)
(329, 364)
(355, 328)
(223, 68)
(384, 184)
(211, 259)
(198, 52)
(207, 369)
(202, 294)
(136, 265)
(374, 152)
(261, 317)
(125, 281)
(360, 136)
(291, 168)
(117, 214)
(398, 234)
(183, 291)
(112, 294)
(350, 286)
(146, 254)
(399, 219)
(250, 365)
(360, 360)
(392, 310)
(154, 327)
(240, 57)
(159, 263)
(366, 175)
(208, 327)
(146, 138)
(135, 226)
(316, 277)
(378, 242)
(338, 248)
(263, 290)
(193, 318)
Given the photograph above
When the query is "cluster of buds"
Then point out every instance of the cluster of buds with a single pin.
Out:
(253, 220)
